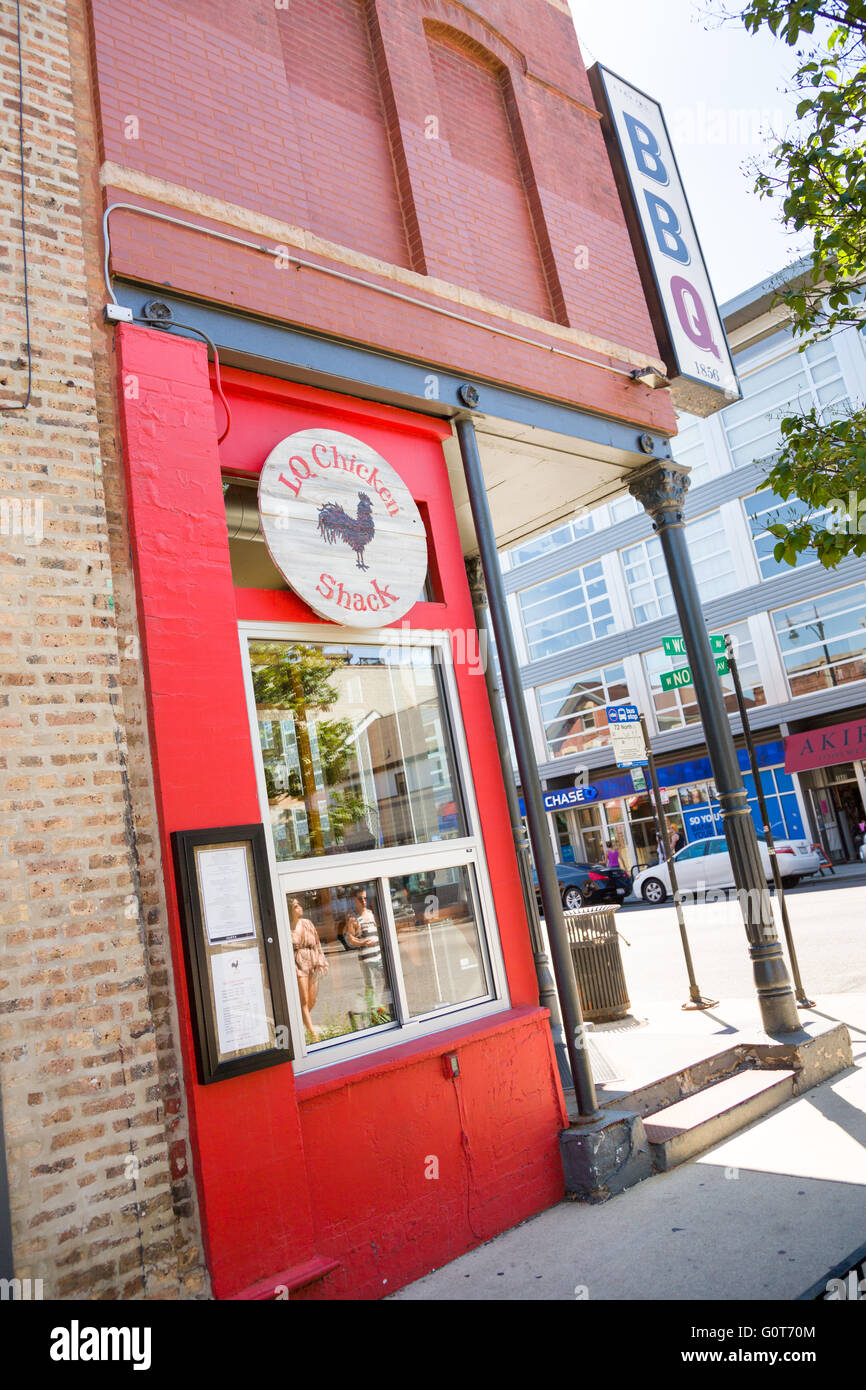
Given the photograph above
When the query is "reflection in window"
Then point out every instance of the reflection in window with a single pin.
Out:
(574, 711)
(341, 960)
(823, 641)
(437, 939)
(355, 745)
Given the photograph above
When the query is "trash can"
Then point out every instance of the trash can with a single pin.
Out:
(594, 942)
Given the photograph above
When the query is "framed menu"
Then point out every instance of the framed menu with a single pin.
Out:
(233, 964)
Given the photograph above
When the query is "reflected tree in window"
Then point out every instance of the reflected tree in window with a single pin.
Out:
(293, 685)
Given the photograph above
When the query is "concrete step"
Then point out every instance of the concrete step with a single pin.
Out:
(647, 1097)
(688, 1127)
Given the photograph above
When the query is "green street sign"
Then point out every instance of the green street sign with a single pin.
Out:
(675, 646)
(675, 680)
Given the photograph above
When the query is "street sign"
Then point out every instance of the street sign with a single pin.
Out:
(675, 680)
(676, 646)
(638, 780)
(626, 736)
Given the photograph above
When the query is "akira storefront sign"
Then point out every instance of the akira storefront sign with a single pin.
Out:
(838, 743)
(686, 319)
(342, 527)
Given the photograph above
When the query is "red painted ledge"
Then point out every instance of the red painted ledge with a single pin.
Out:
(296, 1277)
(324, 1079)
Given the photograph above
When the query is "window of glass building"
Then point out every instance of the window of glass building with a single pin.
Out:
(566, 611)
(646, 575)
(573, 710)
(379, 865)
(765, 509)
(675, 708)
(823, 641)
(797, 381)
(623, 508)
(573, 530)
(689, 448)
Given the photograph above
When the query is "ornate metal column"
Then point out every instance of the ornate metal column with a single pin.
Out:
(547, 995)
(661, 491)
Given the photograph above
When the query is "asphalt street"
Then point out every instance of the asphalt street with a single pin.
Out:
(828, 918)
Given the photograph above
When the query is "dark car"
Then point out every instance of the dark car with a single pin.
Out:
(615, 884)
(581, 885)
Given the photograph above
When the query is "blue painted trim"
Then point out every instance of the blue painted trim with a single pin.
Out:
(279, 349)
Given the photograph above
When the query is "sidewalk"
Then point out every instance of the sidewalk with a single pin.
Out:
(763, 1215)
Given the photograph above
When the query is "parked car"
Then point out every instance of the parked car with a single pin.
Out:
(707, 864)
(581, 885)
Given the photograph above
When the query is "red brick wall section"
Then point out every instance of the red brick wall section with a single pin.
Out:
(324, 114)
(340, 127)
(491, 229)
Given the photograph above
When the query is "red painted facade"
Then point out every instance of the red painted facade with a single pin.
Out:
(280, 1162)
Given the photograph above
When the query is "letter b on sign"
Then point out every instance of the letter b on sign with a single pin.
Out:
(666, 226)
(646, 150)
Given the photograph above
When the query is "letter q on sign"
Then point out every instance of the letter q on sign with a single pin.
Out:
(342, 527)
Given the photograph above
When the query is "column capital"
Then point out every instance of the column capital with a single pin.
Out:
(475, 576)
(661, 490)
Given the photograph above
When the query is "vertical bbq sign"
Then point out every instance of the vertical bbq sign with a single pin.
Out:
(342, 527)
(687, 323)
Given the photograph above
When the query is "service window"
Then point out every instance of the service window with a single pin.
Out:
(383, 894)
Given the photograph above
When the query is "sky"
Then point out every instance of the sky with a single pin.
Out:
(722, 90)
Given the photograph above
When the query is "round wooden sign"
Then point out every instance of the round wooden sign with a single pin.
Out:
(341, 525)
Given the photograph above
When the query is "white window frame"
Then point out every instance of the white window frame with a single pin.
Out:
(644, 547)
(585, 602)
(302, 875)
(794, 403)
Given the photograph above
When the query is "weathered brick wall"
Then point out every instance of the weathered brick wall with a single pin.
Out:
(102, 1202)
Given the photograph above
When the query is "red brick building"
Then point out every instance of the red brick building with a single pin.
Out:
(365, 206)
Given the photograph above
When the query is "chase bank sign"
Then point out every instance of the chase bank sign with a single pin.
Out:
(570, 796)
(686, 319)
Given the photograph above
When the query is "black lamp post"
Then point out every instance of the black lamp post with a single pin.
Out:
(661, 490)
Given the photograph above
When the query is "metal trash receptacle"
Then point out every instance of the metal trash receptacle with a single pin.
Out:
(594, 942)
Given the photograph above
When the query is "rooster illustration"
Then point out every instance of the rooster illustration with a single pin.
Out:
(356, 531)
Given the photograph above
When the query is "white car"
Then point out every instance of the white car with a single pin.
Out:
(707, 864)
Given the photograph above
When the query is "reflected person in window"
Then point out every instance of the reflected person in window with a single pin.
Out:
(362, 933)
(310, 963)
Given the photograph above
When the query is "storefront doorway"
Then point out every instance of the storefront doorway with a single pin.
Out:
(839, 808)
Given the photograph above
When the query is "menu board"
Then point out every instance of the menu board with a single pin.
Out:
(226, 899)
(230, 940)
